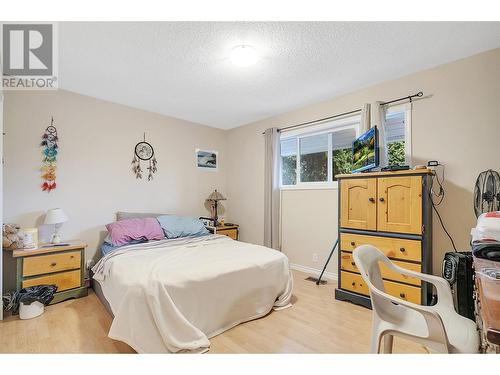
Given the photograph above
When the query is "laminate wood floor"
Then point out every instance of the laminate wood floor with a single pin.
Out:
(316, 323)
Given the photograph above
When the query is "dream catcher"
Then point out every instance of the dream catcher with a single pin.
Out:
(49, 142)
(144, 152)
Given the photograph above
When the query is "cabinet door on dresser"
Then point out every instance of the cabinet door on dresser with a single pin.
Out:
(400, 204)
(358, 203)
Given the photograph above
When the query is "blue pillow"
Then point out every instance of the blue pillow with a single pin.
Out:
(181, 226)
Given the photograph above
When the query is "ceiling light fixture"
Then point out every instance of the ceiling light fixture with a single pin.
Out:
(243, 55)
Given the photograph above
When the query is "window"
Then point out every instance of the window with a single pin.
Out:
(289, 161)
(315, 157)
(397, 136)
(342, 150)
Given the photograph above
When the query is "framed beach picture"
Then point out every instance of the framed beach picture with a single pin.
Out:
(206, 159)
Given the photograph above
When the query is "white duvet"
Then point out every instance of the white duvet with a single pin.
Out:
(173, 295)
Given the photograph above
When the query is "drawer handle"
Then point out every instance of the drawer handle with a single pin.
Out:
(353, 264)
(381, 199)
(402, 249)
(371, 199)
(402, 295)
(53, 264)
(353, 283)
(353, 243)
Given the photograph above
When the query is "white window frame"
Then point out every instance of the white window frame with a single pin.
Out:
(326, 127)
(406, 108)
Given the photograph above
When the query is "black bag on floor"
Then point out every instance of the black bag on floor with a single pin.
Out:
(41, 293)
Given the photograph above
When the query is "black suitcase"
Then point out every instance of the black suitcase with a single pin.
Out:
(459, 272)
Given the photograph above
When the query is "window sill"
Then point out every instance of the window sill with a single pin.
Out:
(318, 186)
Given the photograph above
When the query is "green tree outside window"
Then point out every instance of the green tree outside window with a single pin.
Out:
(342, 161)
(396, 153)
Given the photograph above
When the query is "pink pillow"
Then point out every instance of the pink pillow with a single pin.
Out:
(123, 231)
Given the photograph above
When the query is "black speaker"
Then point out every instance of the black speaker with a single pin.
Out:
(458, 271)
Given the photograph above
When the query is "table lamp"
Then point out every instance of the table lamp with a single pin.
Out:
(214, 198)
(55, 217)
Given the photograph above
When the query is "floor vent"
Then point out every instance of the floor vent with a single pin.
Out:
(315, 279)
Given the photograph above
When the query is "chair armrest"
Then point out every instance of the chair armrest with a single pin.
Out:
(435, 325)
(442, 287)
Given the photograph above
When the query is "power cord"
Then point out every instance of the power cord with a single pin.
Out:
(439, 196)
(444, 228)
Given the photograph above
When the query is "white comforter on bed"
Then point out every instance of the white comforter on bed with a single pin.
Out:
(173, 295)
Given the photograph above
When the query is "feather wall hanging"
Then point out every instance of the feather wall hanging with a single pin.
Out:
(49, 161)
(143, 151)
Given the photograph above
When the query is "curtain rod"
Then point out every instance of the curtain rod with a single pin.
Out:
(409, 97)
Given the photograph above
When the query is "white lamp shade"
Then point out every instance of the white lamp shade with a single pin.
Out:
(55, 216)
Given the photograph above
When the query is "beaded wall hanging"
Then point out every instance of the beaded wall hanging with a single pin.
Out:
(143, 151)
(49, 152)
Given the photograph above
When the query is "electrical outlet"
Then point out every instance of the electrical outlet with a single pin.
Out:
(315, 258)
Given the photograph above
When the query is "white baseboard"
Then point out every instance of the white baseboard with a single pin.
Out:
(314, 271)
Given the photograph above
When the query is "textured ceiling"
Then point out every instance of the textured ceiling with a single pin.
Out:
(182, 69)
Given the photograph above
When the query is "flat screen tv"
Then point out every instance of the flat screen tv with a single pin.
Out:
(365, 151)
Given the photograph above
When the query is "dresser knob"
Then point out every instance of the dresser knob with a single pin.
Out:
(402, 295)
(371, 199)
(402, 249)
(353, 264)
(381, 199)
(53, 264)
(353, 283)
(353, 243)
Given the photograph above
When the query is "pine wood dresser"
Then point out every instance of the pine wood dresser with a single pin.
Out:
(63, 266)
(391, 211)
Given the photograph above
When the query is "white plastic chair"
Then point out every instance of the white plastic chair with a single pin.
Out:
(437, 327)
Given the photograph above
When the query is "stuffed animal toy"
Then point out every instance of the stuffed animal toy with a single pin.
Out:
(12, 239)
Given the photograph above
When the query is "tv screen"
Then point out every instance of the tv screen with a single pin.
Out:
(365, 151)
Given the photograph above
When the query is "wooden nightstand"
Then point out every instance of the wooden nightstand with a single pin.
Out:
(63, 266)
(228, 230)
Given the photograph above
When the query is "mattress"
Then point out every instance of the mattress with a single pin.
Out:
(171, 296)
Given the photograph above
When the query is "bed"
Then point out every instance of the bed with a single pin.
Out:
(173, 295)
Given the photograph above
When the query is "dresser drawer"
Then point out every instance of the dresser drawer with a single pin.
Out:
(396, 248)
(37, 265)
(406, 292)
(354, 283)
(63, 280)
(395, 276)
(347, 264)
(231, 233)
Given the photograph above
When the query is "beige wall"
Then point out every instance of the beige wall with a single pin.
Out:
(458, 125)
(94, 174)
(309, 222)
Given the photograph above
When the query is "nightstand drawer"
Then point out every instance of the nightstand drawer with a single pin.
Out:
(37, 265)
(63, 280)
(231, 233)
